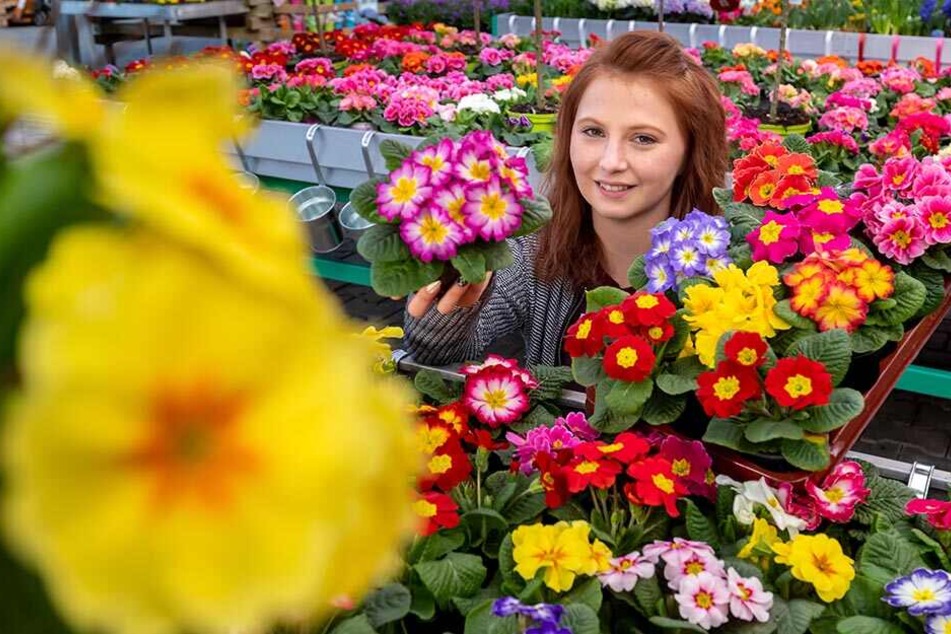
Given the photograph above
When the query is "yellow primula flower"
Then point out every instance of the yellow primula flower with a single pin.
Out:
(71, 104)
(383, 354)
(761, 541)
(562, 550)
(819, 560)
(188, 455)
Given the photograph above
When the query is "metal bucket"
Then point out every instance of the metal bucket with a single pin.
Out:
(352, 223)
(314, 206)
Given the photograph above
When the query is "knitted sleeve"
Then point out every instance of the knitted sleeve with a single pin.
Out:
(465, 333)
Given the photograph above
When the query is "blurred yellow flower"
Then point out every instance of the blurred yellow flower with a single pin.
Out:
(819, 560)
(383, 354)
(187, 455)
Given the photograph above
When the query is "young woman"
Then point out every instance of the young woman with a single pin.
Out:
(640, 137)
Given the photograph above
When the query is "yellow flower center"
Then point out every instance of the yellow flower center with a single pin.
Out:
(646, 301)
(655, 332)
(831, 206)
(901, 238)
(222, 200)
(771, 160)
(480, 171)
(494, 206)
(835, 495)
(496, 399)
(822, 238)
(798, 385)
(627, 357)
(616, 317)
(611, 448)
(432, 231)
(558, 444)
(663, 483)
(584, 329)
(439, 464)
(938, 220)
(769, 233)
(454, 209)
(694, 567)
(747, 356)
(404, 190)
(766, 190)
(745, 593)
(796, 170)
(681, 467)
(822, 563)
(625, 564)
(431, 438)
(424, 508)
(898, 179)
(726, 387)
(704, 600)
(434, 162)
(587, 467)
(193, 447)
(923, 594)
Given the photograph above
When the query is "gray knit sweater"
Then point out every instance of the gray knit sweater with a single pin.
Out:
(515, 301)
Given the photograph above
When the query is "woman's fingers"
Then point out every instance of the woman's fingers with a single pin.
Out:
(422, 300)
(457, 296)
(475, 292)
(452, 298)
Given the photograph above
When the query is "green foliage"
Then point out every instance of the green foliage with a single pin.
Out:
(602, 297)
(430, 383)
(363, 199)
(394, 153)
(587, 370)
(382, 243)
(844, 405)
(402, 277)
(831, 348)
(536, 214)
(808, 455)
(455, 575)
(387, 604)
(663, 409)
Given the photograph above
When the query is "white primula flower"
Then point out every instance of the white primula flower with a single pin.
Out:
(478, 103)
(62, 70)
(753, 492)
(509, 94)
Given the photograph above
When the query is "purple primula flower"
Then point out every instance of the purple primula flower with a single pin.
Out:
(548, 628)
(659, 275)
(507, 606)
(545, 612)
(922, 592)
(578, 424)
(542, 440)
(938, 623)
(545, 615)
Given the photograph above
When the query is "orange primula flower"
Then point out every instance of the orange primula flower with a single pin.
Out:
(797, 165)
(763, 188)
(413, 61)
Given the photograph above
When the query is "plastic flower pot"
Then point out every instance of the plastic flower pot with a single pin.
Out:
(889, 369)
(784, 130)
(544, 122)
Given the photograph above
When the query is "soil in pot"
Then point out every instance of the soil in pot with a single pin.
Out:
(530, 108)
(786, 115)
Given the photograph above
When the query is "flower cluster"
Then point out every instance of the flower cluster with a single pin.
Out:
(439, 440)
(453, 193)
(626, 334)
(906, 207)
(794, 382)
(737, 301)
(835, 288)
(818, 220)
(563, 551)
(696, 245)
(496, 391)
(924, 593)
(770, 175)
(545, 617)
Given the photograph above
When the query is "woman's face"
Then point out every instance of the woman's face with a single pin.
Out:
(627, 148)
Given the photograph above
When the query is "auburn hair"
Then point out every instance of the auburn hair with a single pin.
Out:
(569, 238)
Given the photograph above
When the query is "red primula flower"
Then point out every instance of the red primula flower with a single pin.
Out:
(746, 348)
(763, 188)
(655, 484)
(938, 512)
(446, 468)
(657, 334)
(482, 438)
(583, 472)
(553, 479)
(648, 309)
(616, 322)
(435, 510)
(629, 358)
(585, 337)
(432, 435)
(626, 448)
(455, 415)
(799, 382)
(725, 390)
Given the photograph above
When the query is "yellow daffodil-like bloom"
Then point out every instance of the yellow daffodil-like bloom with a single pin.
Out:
(562, 550)
(383, 354)
(761, 541)
(188, 455)
(819, 560)
(739, 301)
(69, 103)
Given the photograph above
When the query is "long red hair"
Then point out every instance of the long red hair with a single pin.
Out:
(695, 97)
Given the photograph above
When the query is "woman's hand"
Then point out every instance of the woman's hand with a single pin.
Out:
(458, 296)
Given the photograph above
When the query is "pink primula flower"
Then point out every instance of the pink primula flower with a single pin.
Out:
(431, 235)
(452, 199)
(841, 491)
(405, 192)
(438, 158)
(748, 600)
(776, 239)
(675, 549)
(935, 215)
(704, 600)
(932, 180)
(625, 572)
(901, 239)
(492, 210)
(938, 512)
(845, 119)
(898, 174)
(690, 564)
(894, 143)
(495, 396)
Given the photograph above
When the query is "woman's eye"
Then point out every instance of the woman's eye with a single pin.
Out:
(595, 132)
(643, 139)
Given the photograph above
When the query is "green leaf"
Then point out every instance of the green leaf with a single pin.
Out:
(382, 243)
(844, 405)
(647, 594)
(724, 432)
(675, 624)
(828, 179)
(865, 597)
(636, 275)
(536, 213)
(435, 546)
(628, 398)
(937, 260)
(358, 624)
(831, 348)
(507, 561)
(784, 311)
(490, 518)
(396, 279)
(675, 384)
(456, 575)
(432, 384)
(909, 294)
(498, 255)
(606, 420)
(699, 526)
(663, 409)
(796, 143)
(602, 297)
(887, 498)
(887, 555)
(363, 199)
(587, 371)
(867, 625)
(394, 153)
(538, 416)
(806, 455)
(934, 288)
(762, 430)
(470, 263)
(587, 593)
(722, 196)
(933, 547)
(581, 619)
(794, 617)
(688, 367)
(868, 339)
(423, 604)
(551, 381)
(387, 604)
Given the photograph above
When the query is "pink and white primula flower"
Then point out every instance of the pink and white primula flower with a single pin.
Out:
(683, 565)
(404, 193)
(432, 235)
(438, 158)
(841, 491)
(748, 600)
(492, 210)
(625, 572)
(704, 600)
(495, 396)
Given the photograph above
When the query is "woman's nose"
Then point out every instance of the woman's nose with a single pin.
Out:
(613, 158)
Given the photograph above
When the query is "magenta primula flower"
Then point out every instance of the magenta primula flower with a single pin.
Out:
(472, 166)
(438, 158)
(529, 382)
(451, 198)
(514, 173)
(935, 215)
(933, 180)
(495, 396)
(841, 491)
(825, 212)
(676, 549)
(895, 143)
(776, 239)
(901, 239)
(540, 440)
(492, 210)
(431, 235)
(690, 462)
(899, 174)
(938, 512)
(405, 192)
